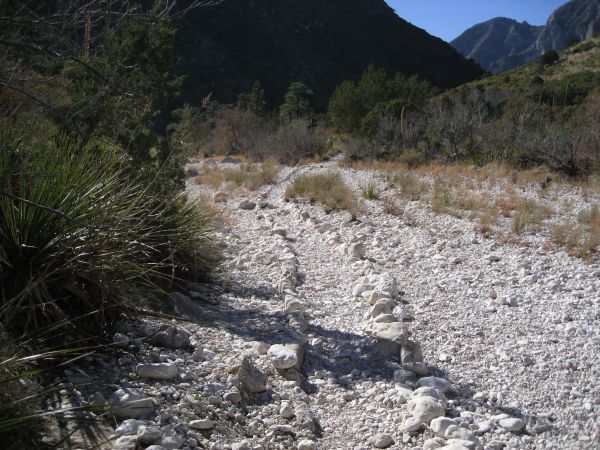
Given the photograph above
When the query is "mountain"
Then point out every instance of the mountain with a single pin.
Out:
(566, 81)
(502, 44)
(225, 47)
(578, 20)
(498, 44)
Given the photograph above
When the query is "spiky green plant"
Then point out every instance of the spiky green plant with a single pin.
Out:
(79, 239)
(370, 191)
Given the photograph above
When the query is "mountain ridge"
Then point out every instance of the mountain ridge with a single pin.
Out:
(502, 44)
(224, 48)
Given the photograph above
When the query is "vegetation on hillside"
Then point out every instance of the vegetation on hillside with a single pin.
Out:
(546, 113)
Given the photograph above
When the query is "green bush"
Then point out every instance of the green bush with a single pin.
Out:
(549, 57)
(569, 90)
(79, 238)
(355, 107)
(296, 103)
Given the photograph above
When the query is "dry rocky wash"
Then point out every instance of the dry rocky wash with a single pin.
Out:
(338, 334)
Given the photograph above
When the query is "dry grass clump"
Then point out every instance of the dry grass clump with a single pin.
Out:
(410, 186)
(589, 225)
(329, 189)
(487, 220)
(393, 207)
(507, 203)
(589, 217)
(370, 191)
(468, 201)
(250, 176)
(579, 240)
(529, 214)
(566, 234)
(443, 200)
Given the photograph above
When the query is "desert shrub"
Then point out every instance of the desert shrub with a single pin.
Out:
(293, 141)
(237, 131)
(412, 158)
(529, 214)
(385, 136)
(549, 57)
(453, 127)
(79, 237)
(357, 149)
(329, 189)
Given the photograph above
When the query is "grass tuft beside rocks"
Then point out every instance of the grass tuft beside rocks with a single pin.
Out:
(329, 189)
(247, 175)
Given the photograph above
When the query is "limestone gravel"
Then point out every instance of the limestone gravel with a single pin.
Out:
(407, 336)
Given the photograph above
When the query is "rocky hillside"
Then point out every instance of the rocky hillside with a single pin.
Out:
(226, 47)
(578, 68)
(498, 44)
(577, 20)
(502, 44)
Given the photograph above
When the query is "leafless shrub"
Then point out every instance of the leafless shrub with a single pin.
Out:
(292, 142)
(238, 131)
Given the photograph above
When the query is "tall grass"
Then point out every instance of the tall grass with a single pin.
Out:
(529, 214)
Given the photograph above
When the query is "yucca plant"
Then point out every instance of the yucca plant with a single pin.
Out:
(79, 238)
(81, 241)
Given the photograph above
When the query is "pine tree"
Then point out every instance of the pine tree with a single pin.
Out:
(296, 102)
(254, 100)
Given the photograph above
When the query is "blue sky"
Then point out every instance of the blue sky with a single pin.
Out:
(449, 18)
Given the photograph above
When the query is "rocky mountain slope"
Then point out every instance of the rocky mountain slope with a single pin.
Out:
(226, 47)
(498, 44)
(502, 44)
(328, 333)
(577, 70)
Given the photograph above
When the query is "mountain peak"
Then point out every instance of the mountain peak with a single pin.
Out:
(501, 44)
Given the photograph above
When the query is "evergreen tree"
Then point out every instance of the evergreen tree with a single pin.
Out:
(254, 100)
(345, 107)
(296, 102)
(359, 106)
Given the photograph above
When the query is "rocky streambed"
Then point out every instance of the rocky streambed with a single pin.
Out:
(332, 333)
